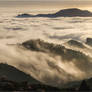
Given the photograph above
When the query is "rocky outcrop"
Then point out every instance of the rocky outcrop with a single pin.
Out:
(89, 41)
(75, 43)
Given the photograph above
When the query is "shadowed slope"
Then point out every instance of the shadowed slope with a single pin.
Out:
(14, 74)
(12, 79)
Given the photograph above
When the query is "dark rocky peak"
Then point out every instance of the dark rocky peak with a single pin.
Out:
(84, 87)
(14, 74)
(75, 43)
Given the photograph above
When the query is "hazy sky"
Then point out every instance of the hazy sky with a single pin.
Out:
(48, 3)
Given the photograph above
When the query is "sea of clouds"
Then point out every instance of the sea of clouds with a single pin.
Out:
(45, 67)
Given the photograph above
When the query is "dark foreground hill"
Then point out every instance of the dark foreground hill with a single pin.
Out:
(72, 12)
(14, 74)
(7, 84)
(13, 79)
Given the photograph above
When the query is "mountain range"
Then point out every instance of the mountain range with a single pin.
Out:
(12, 78)
(72, 12)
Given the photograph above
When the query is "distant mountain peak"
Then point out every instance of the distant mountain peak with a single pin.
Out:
(72, 12)
(70, 9)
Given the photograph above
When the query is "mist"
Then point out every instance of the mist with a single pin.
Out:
(63, 63)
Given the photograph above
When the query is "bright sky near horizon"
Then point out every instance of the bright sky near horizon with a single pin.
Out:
(53, 4)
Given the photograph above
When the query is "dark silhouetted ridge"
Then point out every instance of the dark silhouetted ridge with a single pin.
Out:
(65, 53)
(12, 79)
(72, 12)
(14, 74)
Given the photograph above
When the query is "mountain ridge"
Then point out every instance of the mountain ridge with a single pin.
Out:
(71, 12)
